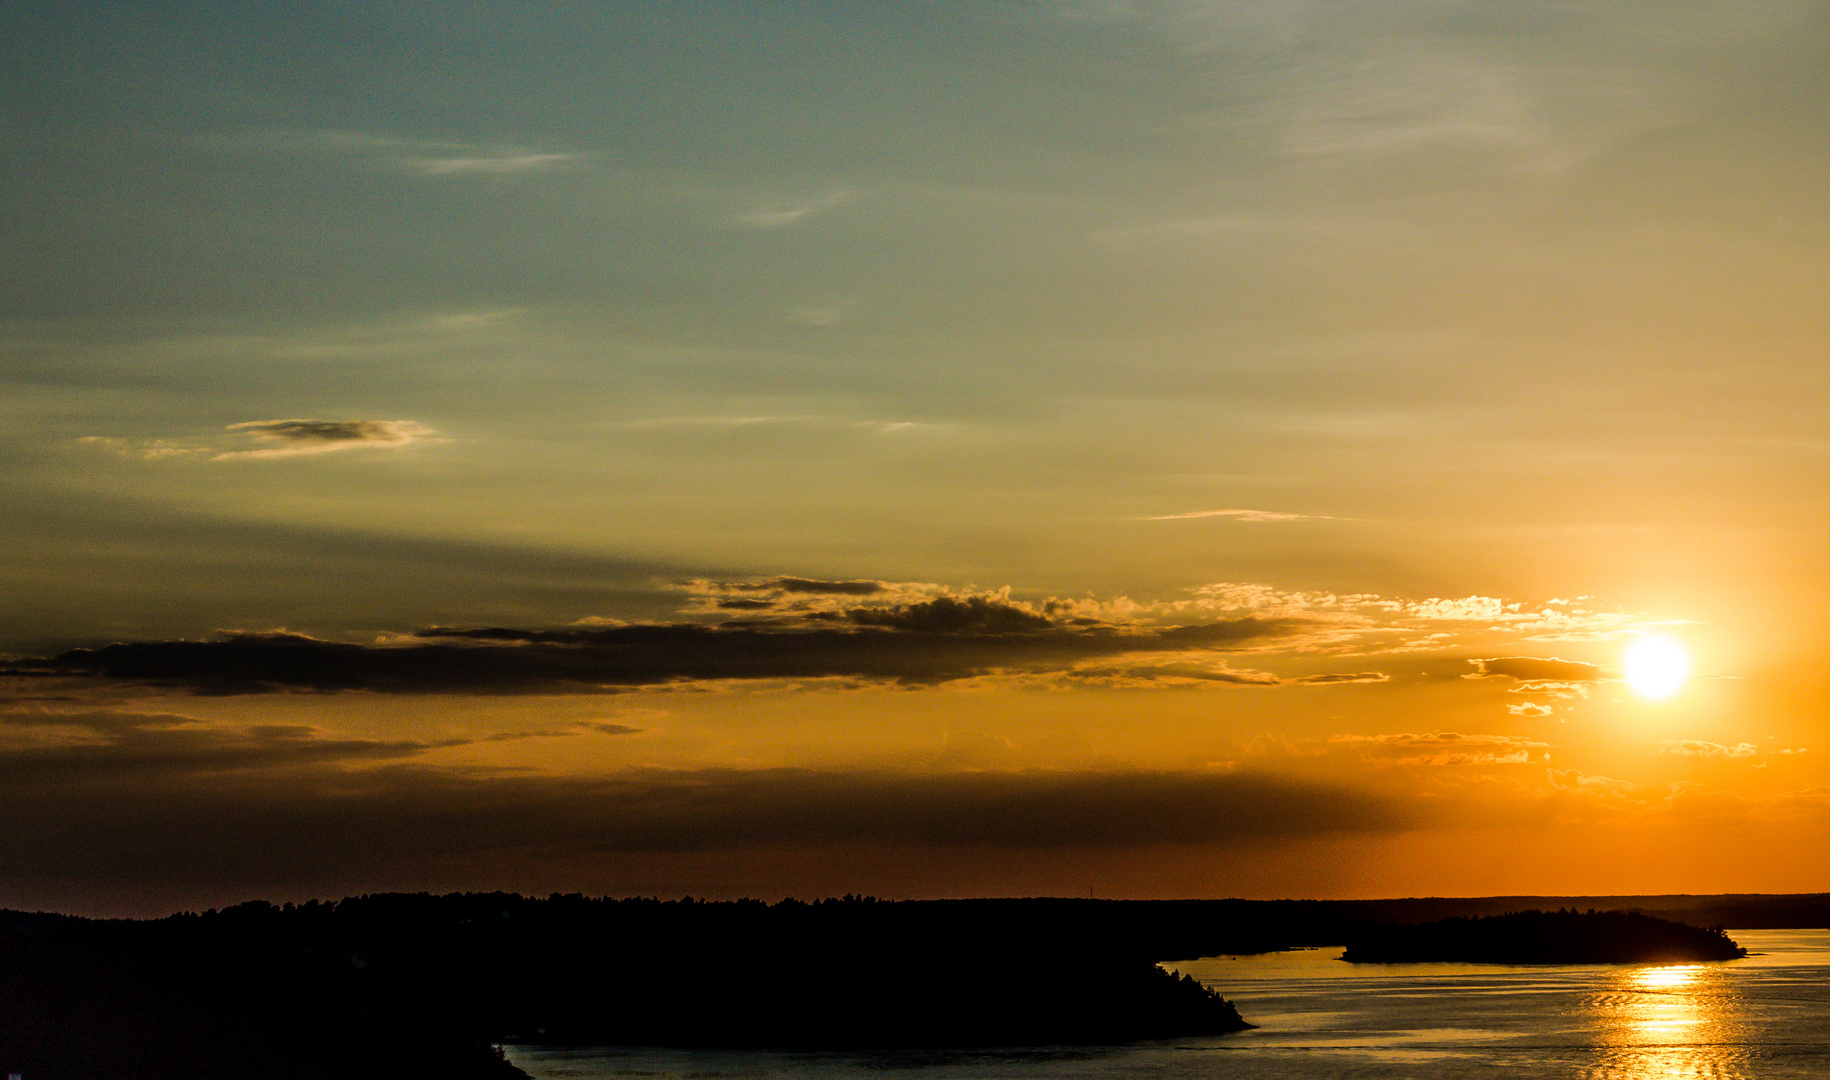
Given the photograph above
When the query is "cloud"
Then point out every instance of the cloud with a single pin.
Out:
(939, 640)
(1428, 624)
(1339, 623)
(1440, 739)
(1340, 677)
(1448, 748)
(497, 164)
(1164, 671)
(1575, 778)
(781, 215)
(321, 829)
(52, 749)
(426, 157)
(851, 630)
(780, 585)
(144, 449)
(1556, 691)
(1418, 99)
(1529, 708)
(866, 602)
(1223, 631)
(946, 615)
(291, 438)
(273, 439)
(1468, 608)
(1702, 749)
(1534, 669)
(1240, 515)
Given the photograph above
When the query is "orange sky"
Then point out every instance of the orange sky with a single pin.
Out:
(1159, 449)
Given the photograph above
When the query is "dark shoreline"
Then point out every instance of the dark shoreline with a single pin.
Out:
(408, 985)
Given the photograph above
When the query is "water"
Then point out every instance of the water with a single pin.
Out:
(1766, 1016)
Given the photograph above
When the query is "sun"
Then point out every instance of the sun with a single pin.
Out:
(1657, 667)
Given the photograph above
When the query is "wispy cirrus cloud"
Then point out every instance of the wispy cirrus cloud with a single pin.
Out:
(490, 164)
(145, 449)
(1240, 515)
(779, 215)
(425, 157)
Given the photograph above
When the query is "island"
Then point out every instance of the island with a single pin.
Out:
(1564, 936)
(404, 986)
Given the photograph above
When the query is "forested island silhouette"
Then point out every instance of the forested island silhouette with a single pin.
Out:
(417, 985)
(1563, 936)
(403, 986)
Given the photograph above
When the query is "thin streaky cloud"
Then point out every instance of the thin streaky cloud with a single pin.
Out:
(785, 420)
(781, 215)
(427, 157)
(498, 164)
(142, 449)
(1242, 515)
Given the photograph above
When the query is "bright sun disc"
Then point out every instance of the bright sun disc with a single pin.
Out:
(1657, 667)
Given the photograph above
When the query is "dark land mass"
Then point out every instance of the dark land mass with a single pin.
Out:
(1544, 937)
(1738, 911)
(407, 986)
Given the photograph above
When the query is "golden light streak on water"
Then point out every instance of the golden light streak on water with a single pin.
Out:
(1667, 1023)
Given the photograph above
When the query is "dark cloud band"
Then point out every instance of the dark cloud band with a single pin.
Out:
(318, 830)
(930, 642)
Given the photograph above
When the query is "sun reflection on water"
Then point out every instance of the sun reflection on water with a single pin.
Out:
(1662, 978)
(1671, 1022)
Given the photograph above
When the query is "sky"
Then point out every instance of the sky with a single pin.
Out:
(1170, 448)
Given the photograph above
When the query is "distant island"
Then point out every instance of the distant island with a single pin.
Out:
(1564, 936)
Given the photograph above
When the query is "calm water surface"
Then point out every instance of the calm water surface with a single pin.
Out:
(1765, 1016)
